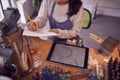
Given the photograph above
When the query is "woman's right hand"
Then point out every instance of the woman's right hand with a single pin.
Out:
(33, 26)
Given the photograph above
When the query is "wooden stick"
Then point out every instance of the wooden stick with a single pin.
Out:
(24, 58)
(29, 41)
(26, 46)
(96, 38)
(18, 54)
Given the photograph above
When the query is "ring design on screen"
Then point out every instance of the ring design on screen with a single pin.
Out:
(68, 53)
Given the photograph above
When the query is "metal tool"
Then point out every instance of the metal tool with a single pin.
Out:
(8, 26)
(9, 23)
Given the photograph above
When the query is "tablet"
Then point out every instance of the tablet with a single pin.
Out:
(69, 55)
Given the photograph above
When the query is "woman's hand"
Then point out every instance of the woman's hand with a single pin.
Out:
(33, 26)
(54, 30)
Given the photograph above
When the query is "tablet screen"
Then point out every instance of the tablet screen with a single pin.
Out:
(69, 55)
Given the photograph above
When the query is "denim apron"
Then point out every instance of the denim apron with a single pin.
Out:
(61, 25)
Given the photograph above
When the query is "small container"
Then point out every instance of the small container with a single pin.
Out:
(80, 42)
(92, 76)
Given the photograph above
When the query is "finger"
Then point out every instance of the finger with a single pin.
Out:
(50, 30)
(54, 30)
(33, 26)
(37, 26)
(29, 26)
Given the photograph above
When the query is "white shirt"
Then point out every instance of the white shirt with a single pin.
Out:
(59, 15)
(60, 12)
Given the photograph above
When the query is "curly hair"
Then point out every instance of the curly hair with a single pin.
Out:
(74, 6)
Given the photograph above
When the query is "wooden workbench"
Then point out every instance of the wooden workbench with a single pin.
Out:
(43, 47)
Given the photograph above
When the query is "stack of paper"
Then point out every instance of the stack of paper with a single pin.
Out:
(39, 33)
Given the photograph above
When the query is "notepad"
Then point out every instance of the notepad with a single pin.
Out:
(39, 33)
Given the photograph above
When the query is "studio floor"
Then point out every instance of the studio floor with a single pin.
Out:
(102, 26)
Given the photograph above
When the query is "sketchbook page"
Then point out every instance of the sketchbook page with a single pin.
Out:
(39, 33)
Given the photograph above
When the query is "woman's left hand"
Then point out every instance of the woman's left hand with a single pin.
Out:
(54, 30)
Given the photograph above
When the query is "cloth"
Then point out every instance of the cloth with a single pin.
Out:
(45, 10)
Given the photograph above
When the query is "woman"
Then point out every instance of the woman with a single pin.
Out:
(65, 18)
